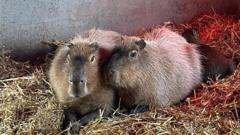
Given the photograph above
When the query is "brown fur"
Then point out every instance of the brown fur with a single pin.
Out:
(163, 73)
(106, 39)
(99, 97)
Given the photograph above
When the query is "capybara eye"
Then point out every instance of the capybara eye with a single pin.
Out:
(92, 59)
(133, 54)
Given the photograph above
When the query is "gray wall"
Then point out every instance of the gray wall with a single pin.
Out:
(24, 23)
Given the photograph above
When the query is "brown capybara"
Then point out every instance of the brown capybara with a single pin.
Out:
(214, 63)
(76, 80)
(160, 70)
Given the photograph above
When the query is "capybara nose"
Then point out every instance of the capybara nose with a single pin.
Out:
(82, 81)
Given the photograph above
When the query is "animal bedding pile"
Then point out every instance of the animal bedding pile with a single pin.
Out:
(28, 104)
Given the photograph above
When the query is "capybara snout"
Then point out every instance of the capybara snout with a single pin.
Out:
(110, 71)
(77, 79)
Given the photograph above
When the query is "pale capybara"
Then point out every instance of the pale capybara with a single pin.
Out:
(77, 82)
(159, 71)
(213, 62)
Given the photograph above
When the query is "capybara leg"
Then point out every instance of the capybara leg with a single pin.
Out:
(89, 117)
(139, 109)
(70, 121)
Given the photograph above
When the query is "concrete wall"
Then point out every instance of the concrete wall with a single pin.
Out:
(24, 23)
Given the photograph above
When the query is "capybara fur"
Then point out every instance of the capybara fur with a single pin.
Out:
(106, 40)
(76, 80)
(159, 71)
(214, 63)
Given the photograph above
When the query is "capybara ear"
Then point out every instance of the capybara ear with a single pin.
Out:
(69, 45)
(94, 45)
(122, 40)
(190, 32)
(195, 32)
(141, 43)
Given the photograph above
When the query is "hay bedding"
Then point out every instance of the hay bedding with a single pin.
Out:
(28, 105)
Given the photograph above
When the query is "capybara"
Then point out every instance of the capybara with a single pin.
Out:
(77, 82)
(214, 63)
(159, 70)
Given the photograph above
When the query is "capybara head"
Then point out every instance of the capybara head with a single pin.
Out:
(123, 68)
(82, 66)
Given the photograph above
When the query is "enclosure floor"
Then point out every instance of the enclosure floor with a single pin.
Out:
(28, 104)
